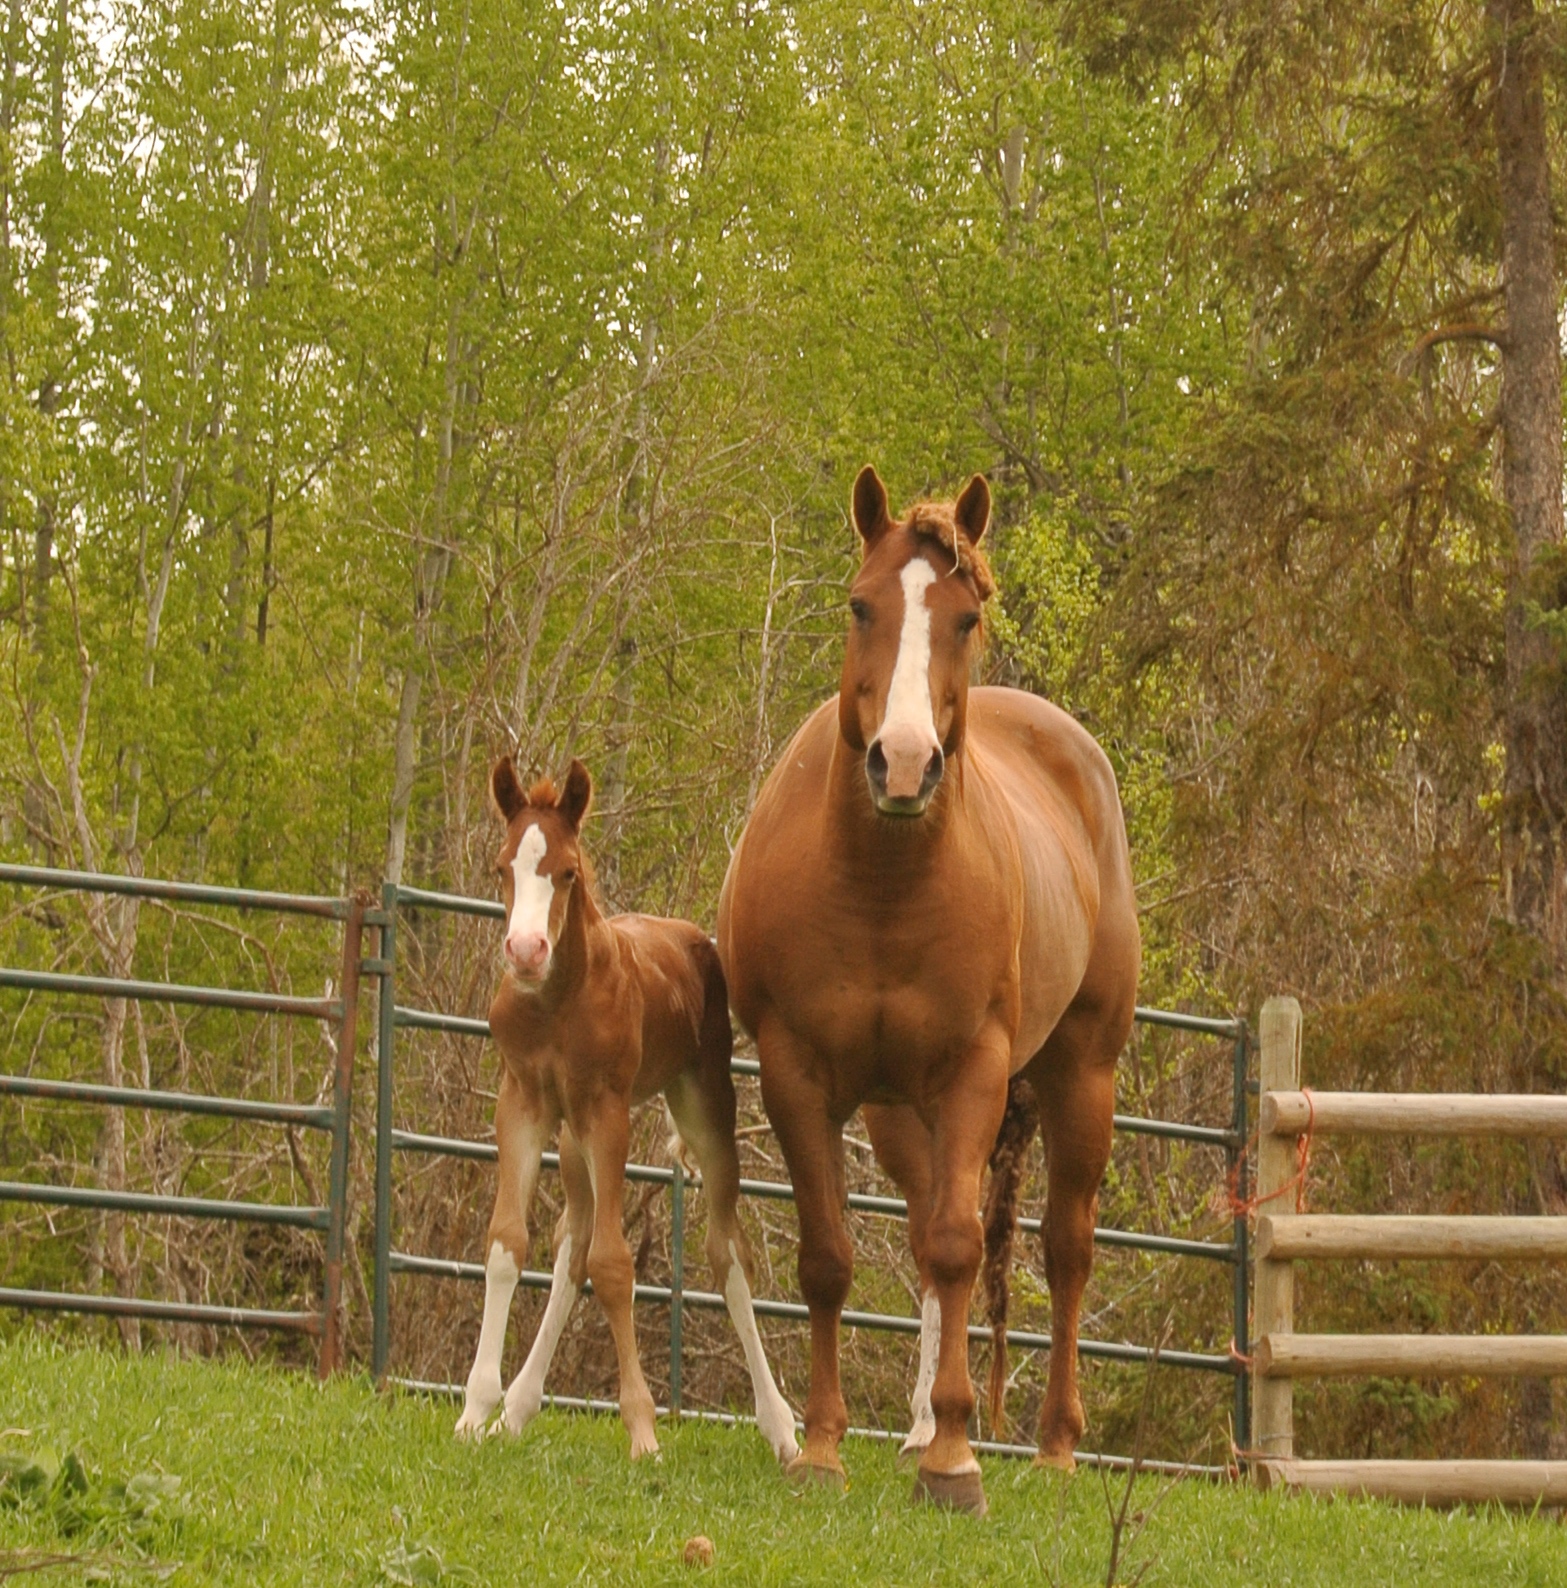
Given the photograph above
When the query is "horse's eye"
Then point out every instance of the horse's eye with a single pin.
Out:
(968, 623)
(862, 613)
(569, 875)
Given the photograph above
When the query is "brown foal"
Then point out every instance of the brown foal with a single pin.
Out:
(592, 1016)
(934, 894)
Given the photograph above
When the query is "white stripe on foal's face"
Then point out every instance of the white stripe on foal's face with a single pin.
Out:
(908, 698)
(528, 926)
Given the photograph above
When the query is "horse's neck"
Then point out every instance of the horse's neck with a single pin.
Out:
(881, 843)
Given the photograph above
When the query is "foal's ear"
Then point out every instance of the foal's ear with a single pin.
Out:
(505, 791)
(972, 509)
(870, 506)
(573, 801)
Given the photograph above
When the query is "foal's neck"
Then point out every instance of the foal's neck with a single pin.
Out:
(574, 947)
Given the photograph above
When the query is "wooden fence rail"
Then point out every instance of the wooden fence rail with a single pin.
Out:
(1286, 1234)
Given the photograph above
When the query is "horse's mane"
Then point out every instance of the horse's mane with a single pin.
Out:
(542, 794)
(936, 522)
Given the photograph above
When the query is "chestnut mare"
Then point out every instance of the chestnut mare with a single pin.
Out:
(593, 1015)
(933, 896)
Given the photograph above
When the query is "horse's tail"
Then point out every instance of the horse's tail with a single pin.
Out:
(1007, 1159)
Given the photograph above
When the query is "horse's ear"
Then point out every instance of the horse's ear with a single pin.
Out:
(972, 510)
(870, 505)
(505, 791)
(573, 801)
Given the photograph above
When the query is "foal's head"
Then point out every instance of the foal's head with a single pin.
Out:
(903, 697)
(539, 863)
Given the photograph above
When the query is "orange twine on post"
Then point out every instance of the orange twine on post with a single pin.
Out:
(1243, 1207)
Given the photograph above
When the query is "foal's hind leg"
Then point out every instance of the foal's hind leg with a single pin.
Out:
(521, 1130)
(905, 1150)
(703, 1106)
(603, 1137)
(573, 1235)
(1074, 1078)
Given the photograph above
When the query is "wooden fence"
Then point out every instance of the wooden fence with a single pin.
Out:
(1286, 1234)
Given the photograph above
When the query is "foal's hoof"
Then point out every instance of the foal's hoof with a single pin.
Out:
(956, 1491)
(1057, 1461)
(805, 1474)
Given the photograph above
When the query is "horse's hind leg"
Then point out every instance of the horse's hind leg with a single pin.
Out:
(573, 1234)
(703, 1105)
(905, 1150)
(521, 1130)
(603, 1137)
(1074, 1079)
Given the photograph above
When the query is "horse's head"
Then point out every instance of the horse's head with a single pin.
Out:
(916, 601)
(538, 865)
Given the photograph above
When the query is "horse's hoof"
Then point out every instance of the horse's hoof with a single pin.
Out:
(1065, 1462)
(805, 1474)
(955, 1491)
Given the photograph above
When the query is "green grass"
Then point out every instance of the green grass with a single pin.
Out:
(281, 1481)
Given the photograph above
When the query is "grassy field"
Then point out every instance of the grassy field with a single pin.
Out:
(152, 1469)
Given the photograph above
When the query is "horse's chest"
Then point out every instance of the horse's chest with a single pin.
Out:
(881, 1020)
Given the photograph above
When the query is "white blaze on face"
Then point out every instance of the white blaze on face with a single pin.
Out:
(908, 698)
(532, 894)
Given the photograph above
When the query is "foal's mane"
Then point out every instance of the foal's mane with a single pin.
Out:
(936, 522)
(544, 796)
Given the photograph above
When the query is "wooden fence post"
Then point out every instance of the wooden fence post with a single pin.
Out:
(1273, 1399)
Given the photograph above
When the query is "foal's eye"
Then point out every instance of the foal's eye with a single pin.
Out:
(968, 623)
(862, 613)
(569, 875)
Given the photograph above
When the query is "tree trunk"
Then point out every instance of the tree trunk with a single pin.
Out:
(1534, 862)
(1534, 820)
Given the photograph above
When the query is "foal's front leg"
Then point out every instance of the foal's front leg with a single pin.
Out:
(573, 1235)
(603, 1139)
(521, 1130)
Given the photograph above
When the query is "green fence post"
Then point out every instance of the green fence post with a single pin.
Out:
(331, 1354)
(677, 1278)
(386, 1029)
(1242, 1348)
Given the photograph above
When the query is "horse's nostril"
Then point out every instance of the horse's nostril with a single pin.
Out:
(935, 766)
(876, 763)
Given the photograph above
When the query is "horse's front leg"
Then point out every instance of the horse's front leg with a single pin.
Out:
(603, 1137)
(522, 1127)
(964, 1120)
(905, 1151)
(1075, 1080)
(812, 1143)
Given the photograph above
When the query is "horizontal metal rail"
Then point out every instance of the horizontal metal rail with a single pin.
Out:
(886, 1322)
(317, 1118)
(175, 1207)
(1175, 1020)
(1132, 1124)
(189, 892)
(859, 1201)
(989, 1447)
(428, 1020)
(457, 903)
(172, 993)
(169, 1311)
